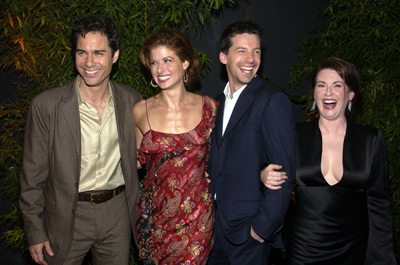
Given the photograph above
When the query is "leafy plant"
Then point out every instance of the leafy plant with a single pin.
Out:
(35, 42)
(366, 33)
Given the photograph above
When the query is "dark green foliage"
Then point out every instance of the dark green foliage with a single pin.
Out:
(35, 42)
(366, 33)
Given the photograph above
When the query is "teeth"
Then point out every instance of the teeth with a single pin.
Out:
(246, 68)
(91, 72)
(329, 101)
(164, 77)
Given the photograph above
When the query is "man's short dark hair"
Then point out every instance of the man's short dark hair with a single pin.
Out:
(96, 24)
(239, 27)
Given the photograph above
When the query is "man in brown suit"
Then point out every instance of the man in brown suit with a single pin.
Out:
(79, 183)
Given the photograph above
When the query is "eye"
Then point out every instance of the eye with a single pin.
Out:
(167, 60)
(80, 52)
(99, 53)
(257, 52)
(152, 63)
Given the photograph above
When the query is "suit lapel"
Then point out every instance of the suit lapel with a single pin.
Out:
(70, 109)
(120, 109)
(217, 132)
(243, 103)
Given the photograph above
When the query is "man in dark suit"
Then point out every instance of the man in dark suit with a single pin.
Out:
(254, 127)
(79, 182)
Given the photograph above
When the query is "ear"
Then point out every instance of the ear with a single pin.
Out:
(116, 56)
(351, 95)
(222, 58)
(185, 64)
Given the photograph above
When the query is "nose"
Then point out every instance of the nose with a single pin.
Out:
(89, 60)
(160, 68)
(250, 57)
(328, 91)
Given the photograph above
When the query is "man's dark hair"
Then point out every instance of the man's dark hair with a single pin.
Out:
(239, 27)
(96, 24)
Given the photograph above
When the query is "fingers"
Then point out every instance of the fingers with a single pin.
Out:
(271, 178)
(49, 250)
(207, 176)
(273, 167)
(273, 187)
(37, 253)
(255, 236)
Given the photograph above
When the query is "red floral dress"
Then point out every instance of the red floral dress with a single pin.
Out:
(175, 217)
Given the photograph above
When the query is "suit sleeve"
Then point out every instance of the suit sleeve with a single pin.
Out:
(35, 170)
(380, 240)
(279, 146)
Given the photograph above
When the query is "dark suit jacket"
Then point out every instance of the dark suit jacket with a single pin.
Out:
(260, 130)
(52, 162)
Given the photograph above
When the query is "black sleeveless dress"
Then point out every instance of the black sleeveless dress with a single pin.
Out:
(346, 223)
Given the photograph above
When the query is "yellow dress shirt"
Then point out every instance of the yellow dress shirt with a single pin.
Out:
(100, 153)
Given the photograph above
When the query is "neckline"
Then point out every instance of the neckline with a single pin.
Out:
(204, 102)
(343, 153)
(174, 134)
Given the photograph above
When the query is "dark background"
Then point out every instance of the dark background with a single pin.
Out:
(285, 24)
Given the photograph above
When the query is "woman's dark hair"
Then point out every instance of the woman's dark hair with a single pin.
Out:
(96, 24)
(346, 70)
(239, 27)
(180, 45)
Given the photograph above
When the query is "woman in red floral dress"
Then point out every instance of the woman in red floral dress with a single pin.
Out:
(175, 218)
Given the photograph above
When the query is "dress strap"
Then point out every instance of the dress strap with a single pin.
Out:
(202, 104)
(147, 114)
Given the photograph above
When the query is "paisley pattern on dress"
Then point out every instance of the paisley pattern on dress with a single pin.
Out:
(175, 218)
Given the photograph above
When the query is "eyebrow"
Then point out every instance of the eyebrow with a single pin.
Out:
(82, 50)
(166, 57)
(246, 48)
(320, 81)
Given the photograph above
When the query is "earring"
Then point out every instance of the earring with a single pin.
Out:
(185, 77)
(349, 105)
(313, 106)
(152, 84)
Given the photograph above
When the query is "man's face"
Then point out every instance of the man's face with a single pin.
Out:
(93, 60)
(243, 60)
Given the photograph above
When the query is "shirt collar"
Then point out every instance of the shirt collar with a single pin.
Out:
(82, 100)
(228, 94)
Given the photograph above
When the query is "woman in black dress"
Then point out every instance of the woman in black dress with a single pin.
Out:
(341, 212)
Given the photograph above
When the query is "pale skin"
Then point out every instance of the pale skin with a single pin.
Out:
(332, 96)
(93, 60)
(174, 110)
(242, 60)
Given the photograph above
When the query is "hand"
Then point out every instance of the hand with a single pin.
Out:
(37, 252)
(138, 165)
(208, 177)
(271, 178)
(255, 236)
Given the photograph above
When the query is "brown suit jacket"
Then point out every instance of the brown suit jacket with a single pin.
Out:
(52, 161)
